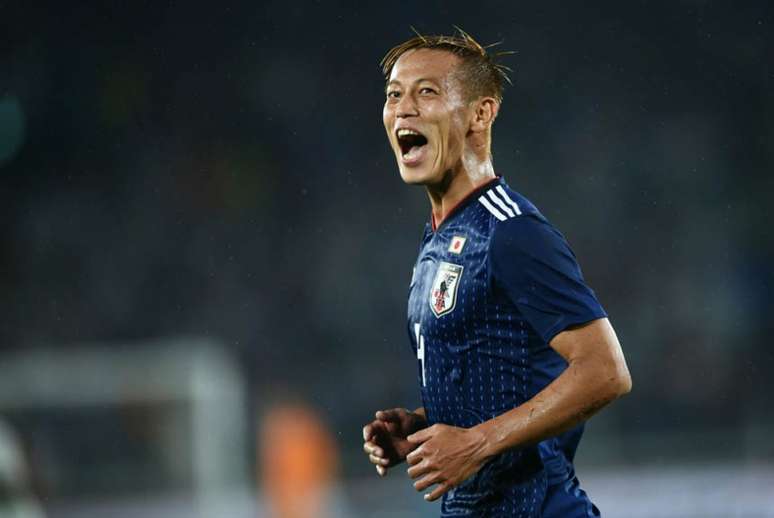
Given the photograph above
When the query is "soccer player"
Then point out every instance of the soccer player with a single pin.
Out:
(513, 349)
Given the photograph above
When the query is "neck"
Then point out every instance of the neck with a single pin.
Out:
(471, 173)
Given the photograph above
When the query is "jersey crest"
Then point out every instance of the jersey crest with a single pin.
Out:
(443, 293)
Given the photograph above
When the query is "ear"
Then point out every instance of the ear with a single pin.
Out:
(484, 113)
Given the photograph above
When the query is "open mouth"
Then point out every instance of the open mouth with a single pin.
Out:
(411, 143)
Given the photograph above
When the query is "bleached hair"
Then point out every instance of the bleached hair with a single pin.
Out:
(480, 73)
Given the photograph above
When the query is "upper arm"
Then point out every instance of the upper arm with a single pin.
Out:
(534, 265)
(537, 269)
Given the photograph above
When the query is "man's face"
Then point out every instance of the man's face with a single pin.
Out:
(425, 115)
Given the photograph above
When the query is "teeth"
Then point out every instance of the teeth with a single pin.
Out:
(405, 131)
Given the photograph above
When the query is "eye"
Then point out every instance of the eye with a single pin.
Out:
(393, 94)
(426, 90)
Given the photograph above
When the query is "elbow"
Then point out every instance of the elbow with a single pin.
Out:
(612, 382)
(624, 383)
(619, 382)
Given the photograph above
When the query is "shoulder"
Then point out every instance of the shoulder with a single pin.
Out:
(527, 241)
(528, 244)
(503, 203)
(517, 223)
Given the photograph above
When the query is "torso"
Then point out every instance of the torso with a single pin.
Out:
(477, 355)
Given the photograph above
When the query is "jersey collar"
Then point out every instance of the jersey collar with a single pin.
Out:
(461, 204)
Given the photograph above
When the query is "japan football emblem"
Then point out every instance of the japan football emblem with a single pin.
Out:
(443, 294)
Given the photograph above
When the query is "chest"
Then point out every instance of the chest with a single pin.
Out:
(449, 288)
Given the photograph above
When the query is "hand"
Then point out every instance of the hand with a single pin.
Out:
(446, 456)
(385, 438)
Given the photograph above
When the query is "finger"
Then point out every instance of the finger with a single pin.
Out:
(392, 414)
(372, 429)
(419, 470)
(427, 481)
(381, 470)
(370, 447)
(422, 435)
(436, 493)
(378, 460)
(415, 457)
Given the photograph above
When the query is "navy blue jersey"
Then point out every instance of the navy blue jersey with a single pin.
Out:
(492, 286)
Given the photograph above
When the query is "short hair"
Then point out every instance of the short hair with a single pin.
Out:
(481, 74)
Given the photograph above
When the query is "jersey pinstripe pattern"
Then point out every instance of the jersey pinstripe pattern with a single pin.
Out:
(481, 352)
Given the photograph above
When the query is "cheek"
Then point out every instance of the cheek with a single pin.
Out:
(451, 142)
(457, 133)
(387, 118)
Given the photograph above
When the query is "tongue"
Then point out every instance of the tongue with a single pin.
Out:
(413, 153)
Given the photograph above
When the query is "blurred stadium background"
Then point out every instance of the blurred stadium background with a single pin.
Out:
(205, 247)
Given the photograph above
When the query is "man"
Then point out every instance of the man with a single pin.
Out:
(514, 351)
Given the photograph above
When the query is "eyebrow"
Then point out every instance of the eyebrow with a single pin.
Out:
(395, 81)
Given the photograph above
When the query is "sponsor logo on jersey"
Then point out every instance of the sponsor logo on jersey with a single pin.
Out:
(456, 245)
(443, 293)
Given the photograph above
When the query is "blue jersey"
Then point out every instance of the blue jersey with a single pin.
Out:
(492, 286)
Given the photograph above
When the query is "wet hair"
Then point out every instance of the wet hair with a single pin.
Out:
(479, 71)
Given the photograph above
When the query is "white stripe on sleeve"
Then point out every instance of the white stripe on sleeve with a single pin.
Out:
(496, 213)
(500, 203)
(508, 199)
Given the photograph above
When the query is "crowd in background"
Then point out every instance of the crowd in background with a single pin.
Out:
(173, 169)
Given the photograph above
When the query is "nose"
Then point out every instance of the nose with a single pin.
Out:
(406, 107)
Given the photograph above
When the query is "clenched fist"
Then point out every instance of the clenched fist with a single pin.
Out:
(385, 438)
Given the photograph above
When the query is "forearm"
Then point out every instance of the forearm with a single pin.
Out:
(579, 392)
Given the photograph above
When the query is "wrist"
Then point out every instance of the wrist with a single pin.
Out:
(490, 444)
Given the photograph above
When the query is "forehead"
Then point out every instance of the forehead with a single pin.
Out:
(424, 64)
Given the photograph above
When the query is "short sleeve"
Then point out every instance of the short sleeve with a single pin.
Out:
(535, 267)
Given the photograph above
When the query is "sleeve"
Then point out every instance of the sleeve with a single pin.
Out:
(535, 267)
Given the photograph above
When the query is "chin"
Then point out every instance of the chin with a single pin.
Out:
(420, 174)
(415, 176)
(409, 177)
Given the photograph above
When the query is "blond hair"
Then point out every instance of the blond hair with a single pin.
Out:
(480, 74)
